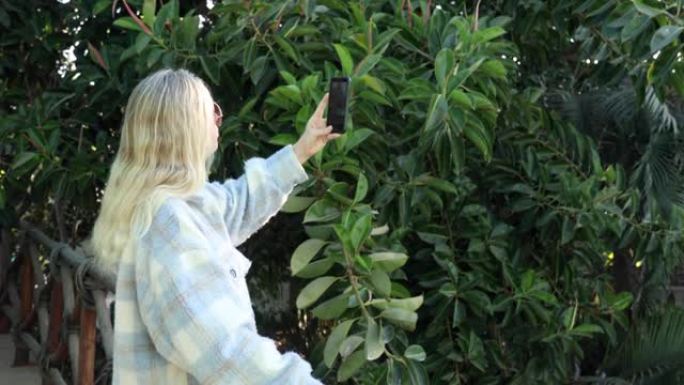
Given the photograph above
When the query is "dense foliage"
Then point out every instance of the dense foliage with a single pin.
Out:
(504, 207)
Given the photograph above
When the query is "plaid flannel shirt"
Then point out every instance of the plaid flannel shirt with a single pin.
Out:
(183, 313)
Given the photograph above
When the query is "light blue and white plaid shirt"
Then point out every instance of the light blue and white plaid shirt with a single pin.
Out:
(183, 314)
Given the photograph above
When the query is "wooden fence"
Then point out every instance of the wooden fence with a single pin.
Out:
(57, 303)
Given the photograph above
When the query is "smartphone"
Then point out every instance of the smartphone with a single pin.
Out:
(337, 103)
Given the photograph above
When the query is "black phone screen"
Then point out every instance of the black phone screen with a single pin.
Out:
(337, 103)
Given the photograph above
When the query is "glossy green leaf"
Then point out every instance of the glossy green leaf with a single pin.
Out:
(332, 308)
(349, 345)
(646, 9)
(311, 292)
(22, 159)
(461, 99)
(437, 114)
(411, 303)
(487, 34)
(304, 253)
(621, 301)
(478, 135)
(357, 137)
(361, 188)
(211, 68)
(444, 64)
(388, 260)
(296, 204)
(351, 365)
(417, 373)
(403, 318)
(494, 68)
(361, 230)
(367, 64)
(374, 343)
(345, 59)
(320, 211)
(415, 352)
(127, 23)
(381, 282)
(586, 329)
(332, 345)
(287, 47)
(664, 36)
(316, 268)
(149, 8)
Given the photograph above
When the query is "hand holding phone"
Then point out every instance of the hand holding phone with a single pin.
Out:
(316, 134)
(337, 103)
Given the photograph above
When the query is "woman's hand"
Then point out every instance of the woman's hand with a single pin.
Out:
(316, 134)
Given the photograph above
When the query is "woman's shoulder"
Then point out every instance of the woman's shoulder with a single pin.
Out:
(173, 222)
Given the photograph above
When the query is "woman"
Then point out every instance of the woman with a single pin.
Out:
(183, 313)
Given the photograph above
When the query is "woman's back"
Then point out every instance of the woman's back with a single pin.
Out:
(183, 311)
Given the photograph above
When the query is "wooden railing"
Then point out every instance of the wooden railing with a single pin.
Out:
(57, 302)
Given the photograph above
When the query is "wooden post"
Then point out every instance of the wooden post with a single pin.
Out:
(21, 354)
(5, 323)
(55, 346)
(86, 347)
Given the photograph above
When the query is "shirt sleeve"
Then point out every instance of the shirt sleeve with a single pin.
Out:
(257, 195)
(189, 307)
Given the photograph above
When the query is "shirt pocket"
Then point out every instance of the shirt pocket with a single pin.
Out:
(236, 263)
(237, 266)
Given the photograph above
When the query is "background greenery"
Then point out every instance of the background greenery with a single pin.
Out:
(504, 208)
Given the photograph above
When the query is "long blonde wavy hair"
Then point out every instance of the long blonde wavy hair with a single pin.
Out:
(166, 150)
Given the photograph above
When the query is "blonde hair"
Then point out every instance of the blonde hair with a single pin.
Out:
(164, 152)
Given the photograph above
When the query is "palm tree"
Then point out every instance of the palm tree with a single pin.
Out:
(652, 354)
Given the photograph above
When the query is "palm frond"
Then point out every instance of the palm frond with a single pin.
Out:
(661, 114)
(620, 106)
(653, 353)
(658, 173)
(594, 380)
(643, 137)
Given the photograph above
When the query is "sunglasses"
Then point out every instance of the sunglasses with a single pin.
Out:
(218, 115)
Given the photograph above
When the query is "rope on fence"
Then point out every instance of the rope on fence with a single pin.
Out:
(69, 302)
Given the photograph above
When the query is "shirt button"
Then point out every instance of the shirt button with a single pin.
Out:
(233, 273)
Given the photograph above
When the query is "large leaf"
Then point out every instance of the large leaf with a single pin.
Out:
(361, 188)
(295, 204)
(444, 64)
(311, 292)
(149, 9)
(304, 253)
(23, 158)
(646, 9)
(412, 303)
(381, 282)
(478, 134)
(403, 318)
(388, 260)
(374, 344)
(211, 68)
(316, 268)
(415, 352)
(351, 365)
(332, 308)
(332, 345)
(361, 230)
(345, 59)
(437, 114)
(664, 36)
